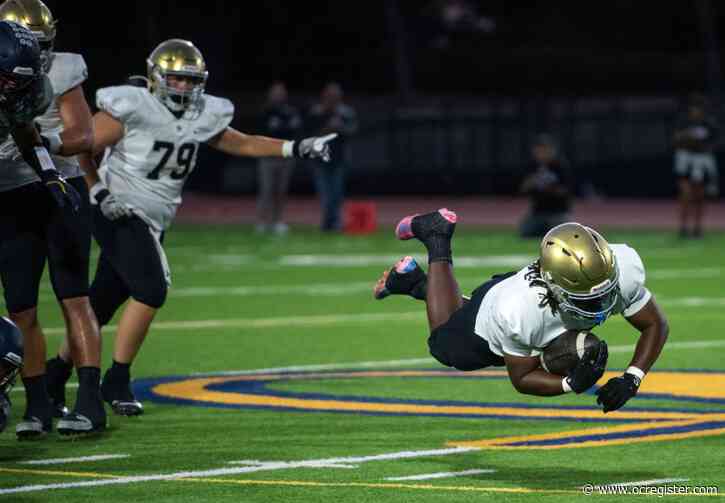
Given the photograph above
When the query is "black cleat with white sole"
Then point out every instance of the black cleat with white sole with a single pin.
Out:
(78, 424)
(33, 428)
(117, 393)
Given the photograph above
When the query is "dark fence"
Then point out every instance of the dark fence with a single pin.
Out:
(616, 146)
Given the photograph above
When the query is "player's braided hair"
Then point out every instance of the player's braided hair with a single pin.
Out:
(533, 276)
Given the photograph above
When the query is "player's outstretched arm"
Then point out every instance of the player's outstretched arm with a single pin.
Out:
(77, 134)
(234, 142)
(653, 328)
(29, 144)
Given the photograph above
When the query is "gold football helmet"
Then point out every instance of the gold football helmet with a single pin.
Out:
(34, 15)
(178, 59)
(580, 270)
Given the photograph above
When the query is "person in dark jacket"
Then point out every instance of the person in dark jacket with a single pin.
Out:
(280, 120)
(332, 115)
(549, 187)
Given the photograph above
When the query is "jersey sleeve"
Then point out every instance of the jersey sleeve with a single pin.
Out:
(119, 101)
(635, 294)
(73, 72)
(217, 116)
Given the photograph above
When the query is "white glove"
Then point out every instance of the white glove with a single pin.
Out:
(112, 208)
(315, 147)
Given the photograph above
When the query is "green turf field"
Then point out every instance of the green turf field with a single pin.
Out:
(338, 400)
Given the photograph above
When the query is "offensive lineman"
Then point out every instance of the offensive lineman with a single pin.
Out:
(36, 227)
(151, 138)
(578, 281)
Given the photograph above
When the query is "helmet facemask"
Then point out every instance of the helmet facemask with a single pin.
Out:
(46, 54)
(175, 99)
(595, 306)
(9, 368)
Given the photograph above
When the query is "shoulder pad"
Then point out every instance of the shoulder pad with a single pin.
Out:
(217, 115)
(119, 101)
(67, 71)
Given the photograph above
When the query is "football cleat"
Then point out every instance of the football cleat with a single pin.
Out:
(120, 397)
(438, 223)
(58, 372)
(78, 424)
(405, 278)
(32, 427)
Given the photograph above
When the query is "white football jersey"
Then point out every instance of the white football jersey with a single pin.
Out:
(147, 168)
(67, 71)
(511, 320)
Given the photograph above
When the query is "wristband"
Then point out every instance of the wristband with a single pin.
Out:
(565, 386)
(637, 372)
(98, 192)
(46, 163)
(53, 142)
(288, 149)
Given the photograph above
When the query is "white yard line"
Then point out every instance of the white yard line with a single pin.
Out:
(282, 321)
(262, 466)
(84, 459)
(315, 463)
(639, 483)
(440, 475)
(341, 260)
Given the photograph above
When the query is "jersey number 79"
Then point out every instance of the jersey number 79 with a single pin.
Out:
(184, 159)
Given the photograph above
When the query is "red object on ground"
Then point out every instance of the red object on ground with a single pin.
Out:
(360, 217)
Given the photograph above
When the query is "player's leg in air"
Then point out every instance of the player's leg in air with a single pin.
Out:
(451, 317)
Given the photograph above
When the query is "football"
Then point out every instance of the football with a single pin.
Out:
(564, 352)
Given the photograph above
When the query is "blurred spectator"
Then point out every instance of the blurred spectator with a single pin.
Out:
(695, 165)
(549, 186)
(280, 120)
(455, 17)
(332, 115)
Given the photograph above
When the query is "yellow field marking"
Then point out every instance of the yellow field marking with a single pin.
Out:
(196, 389)
(498, 443)
(382, 485)
(60, 473)
(318, 484)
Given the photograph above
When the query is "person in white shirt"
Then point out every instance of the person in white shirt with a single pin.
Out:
(578, 282)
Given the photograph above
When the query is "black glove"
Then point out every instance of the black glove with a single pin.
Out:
(63, 193)
(589, 369)
(617, 391)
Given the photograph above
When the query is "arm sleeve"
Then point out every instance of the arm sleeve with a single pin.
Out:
(634, 292)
